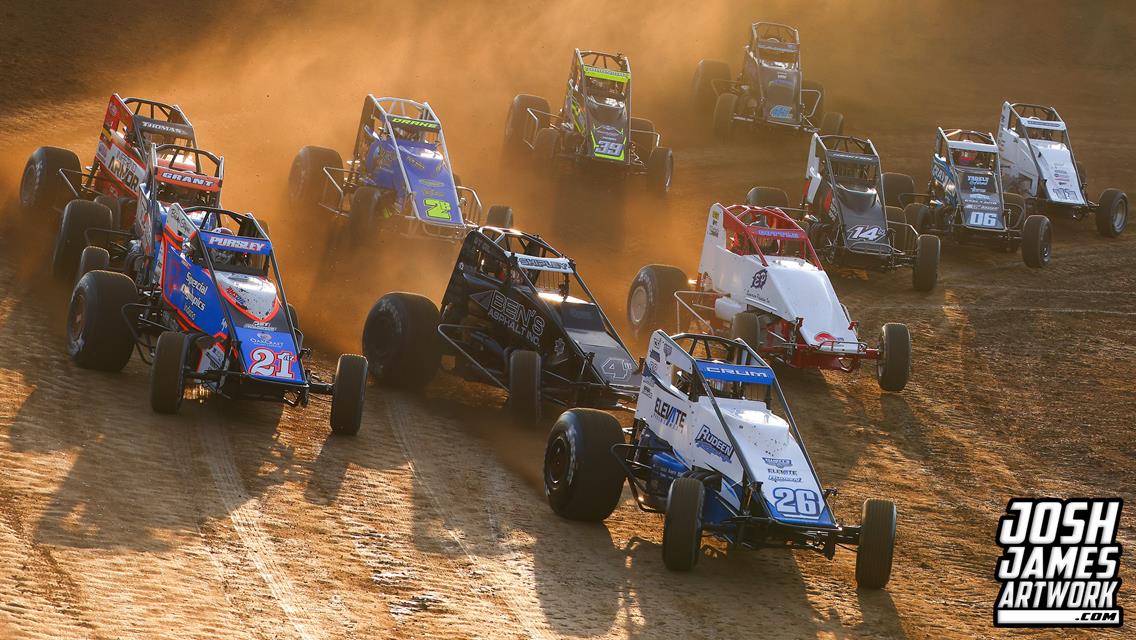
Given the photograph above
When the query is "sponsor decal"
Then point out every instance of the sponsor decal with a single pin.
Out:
(415, 162)
(977, 180)
(708, 441)
(759, 279)
(1059, 564)
(671, 416)
(183, 178)
(823, 337)
(516, 317)
(667, 349)
(432, 183)
(780, 463)
(782, 111)
(233, 242)
(654, 355)
(558, 347)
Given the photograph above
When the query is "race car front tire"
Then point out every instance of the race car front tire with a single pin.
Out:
(896, 185)
(582, 478)
(97, 334)
(306, 179)
(400, 340)
(893, 368)
(702, 86)
(767, 197)
(813, 85)
(1037, 241)
(520, 123)
(500, 216)
(660, 170)
(349, 391)
(92, 259)
(366, 216)
(544, 145)
(525, 387)
(167, 374)
(724, 109)
(832, 124)
(1112, 213)
(925, 271)
(682, 524)
(78, 217)
(42, 188)
(877, 544)
(650, 302)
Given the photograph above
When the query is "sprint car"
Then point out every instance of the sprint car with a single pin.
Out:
(715, 449)
(965, 200)
(208, 311)
(53, 177)
(852, 214)
(399, 178)
(759, 279)
(517, 315)
(769, 93)
(91, 238)
(594, 127)
(1038, 164)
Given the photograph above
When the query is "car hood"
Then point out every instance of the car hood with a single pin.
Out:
(267, 345)
(432, 182)
(1059, 171)
(793, 288)
(790, 487)
(781, 89)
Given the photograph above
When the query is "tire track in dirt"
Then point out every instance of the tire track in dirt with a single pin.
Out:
(244, 514)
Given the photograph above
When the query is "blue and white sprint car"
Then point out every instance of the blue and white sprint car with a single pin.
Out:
(714, 447)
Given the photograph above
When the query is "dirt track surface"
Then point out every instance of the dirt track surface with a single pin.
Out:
(240, 521)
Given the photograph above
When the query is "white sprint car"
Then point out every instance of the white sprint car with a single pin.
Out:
(715, 448)
(759, 279)
(1038, 164)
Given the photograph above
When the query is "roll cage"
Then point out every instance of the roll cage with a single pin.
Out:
(762, 231)
(774, 44)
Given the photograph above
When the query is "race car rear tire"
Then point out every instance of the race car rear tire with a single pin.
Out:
(518, 122)
(582, 477)
(917, 215)
(1037, 241)
(500, 216)
(92, 259)
(306, 180)
(41, 187)
(650, 301)
(78, 217)
(167, 375)
(544, 145)
(349, 391)
(642, 124)
(1112, 214)
(724, 110)
(877, 544)
(660, 170)
(114, 205)
(893, 368)
(702, 86)
(366, 216)
(767, 197)
(832, 124)
(682, 524)
(525, 398)
(896, 185)
(97, 334)
(818, 113)
(925, 271)
(400, 340)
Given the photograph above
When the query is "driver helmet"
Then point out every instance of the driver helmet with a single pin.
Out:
(219, 256)
(966, 157)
